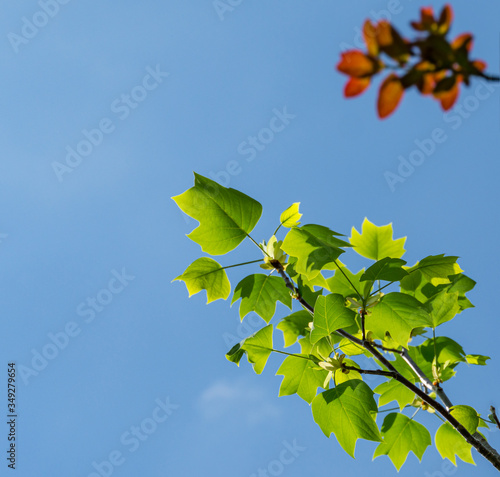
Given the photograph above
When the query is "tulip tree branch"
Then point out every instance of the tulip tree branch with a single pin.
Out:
(475, 440)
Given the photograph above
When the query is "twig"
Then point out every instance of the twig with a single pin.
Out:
(495, 417)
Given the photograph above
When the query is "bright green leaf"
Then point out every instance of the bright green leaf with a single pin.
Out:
(398, 314)
(467, 416)
(393, 390)
(301, 376)
(206, 274)
(258, 347)
(477, 359)
(376, 242)
(226, 216)
(315, 247)
(291, 216)
(347, 411)
(437, 268)
(341, 376)
(450, 443)
(260, 293)
(345, 284)
(443, 307)
(330, 314)
(402, 435)
(461, 283)
(294, 325)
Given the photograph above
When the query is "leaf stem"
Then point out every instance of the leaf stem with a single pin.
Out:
(240, 264)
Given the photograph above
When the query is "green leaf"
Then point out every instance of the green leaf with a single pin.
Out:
(376, 242)
(301, 375)
(398, 314)
(437, 268)
(467, 416)
(388, 269)
(341, 285)
(260, 293)
(402, 435)
(206, 274)
(450, 443)
(449, 355)
(291, 216)
(341, 377)
(443, 307)
(258, 347)
(477, 359)
(294, 325)
(461, 283)
(347, 411)
(315, 247)
(393, 390)
(330, 314)
(226, 216)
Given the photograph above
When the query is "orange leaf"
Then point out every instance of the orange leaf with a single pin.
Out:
(355, 86)
(390, 94)
(370, 37)
(445, 19)
(384, 33)
(480, 65)
(356, 63)
(461, 40)
(448, 98)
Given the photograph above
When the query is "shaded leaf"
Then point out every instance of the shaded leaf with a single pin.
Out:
(443, 307)
(389, 269)
(294, 325)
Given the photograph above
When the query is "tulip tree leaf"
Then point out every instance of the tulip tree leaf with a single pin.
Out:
(467, 416)
(402, 435)
(347, 411)
(315, 247)
(260, 293)
(349, 286)
(388, 269)
(437, 267)
(206, 274)
(477, 359)
(443, 307)
(258, 347)
(226, 216)
(301, 376)
(376, 242)
(330, 314)
(398, 314)
(393, 390)
(450, 443)
(294, 325)
(291, 216)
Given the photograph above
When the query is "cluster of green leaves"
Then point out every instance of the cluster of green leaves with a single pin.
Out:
(389, 304)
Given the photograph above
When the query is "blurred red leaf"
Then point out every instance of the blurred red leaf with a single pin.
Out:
(390, 94)
(355, 86)
(370, 37)
(465, 40)
(356, 63)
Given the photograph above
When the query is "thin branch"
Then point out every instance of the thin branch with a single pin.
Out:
(240, 264)
(374, 372)
(495, 417)
(347, 278)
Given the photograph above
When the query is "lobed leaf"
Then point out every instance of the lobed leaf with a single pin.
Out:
(450, 443)
(206, 274)
(226, 216)
(388, 269)
(291, 216)
(294, 325)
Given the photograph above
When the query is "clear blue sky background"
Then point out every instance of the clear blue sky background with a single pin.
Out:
(62, 239)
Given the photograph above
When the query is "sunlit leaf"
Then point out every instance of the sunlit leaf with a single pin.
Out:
(356, 63)
(226, 216)
(467, 416)
(450, 444)
(402, 435)
(389, 96)
(260, 293)
(356, 86)
(393, 390)
(347, 411)
(389, 269)
(291, 216)
(477, 359)
(443, 307)
(294, 325)
(206, 274)
(257, 347)
(330, 314)
(376, 242)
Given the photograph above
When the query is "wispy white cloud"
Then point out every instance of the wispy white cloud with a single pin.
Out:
(238, 401)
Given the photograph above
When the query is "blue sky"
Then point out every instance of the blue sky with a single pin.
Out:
(163, 89)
